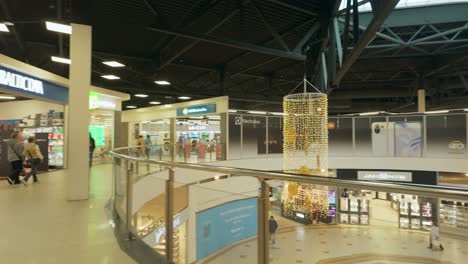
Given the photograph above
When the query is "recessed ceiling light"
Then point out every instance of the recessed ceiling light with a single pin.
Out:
(184, 97)
(5, 97)
(232, 111)
(131, 106)
(8, 23)
(162, 82)
(61, 28)
(110, 77)
(61, 60)
(155, 103)
(141, 95)
(4, 28)
(113, 64)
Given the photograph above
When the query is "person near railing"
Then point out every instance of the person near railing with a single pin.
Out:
(148, 146)
(273, 228)
(140, 146)
(92, 147)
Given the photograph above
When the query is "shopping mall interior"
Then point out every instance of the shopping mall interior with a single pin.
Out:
(234, 131)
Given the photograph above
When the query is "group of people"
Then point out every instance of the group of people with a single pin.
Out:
(19, 153)
(144, 146)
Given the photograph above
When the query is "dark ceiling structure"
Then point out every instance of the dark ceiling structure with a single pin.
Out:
(257, 51)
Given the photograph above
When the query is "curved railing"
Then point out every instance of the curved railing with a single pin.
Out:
(240, 199)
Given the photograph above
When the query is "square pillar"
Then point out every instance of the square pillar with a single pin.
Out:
(78, 113)
(421, 100)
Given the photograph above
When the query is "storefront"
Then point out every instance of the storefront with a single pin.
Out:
(38, 107)
(361, 207)
(194, 130)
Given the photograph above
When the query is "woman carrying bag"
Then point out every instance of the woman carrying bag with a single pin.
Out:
(34, 156)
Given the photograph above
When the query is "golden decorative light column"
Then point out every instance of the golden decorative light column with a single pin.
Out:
(305, 146)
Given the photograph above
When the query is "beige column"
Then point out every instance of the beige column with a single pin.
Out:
(421, 100)
(173, 140)
(78, 113)
(224, 134)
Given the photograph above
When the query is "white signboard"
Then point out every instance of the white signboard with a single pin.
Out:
(21, 82)
(385, 176)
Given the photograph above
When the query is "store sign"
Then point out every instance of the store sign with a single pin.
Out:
(196, 128)
(385, 176)
(456, 147)
(240, 120)
(97, 102)
(196, 110)
(27, 85)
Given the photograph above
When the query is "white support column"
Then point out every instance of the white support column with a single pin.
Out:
(421, 100)
(78, 113)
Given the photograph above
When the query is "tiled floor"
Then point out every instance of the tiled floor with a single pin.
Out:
(349, 244)
(38, 225)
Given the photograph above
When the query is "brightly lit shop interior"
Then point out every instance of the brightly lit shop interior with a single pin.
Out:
(103, 109)
(440, 134)
(36, 107)
(197, 133)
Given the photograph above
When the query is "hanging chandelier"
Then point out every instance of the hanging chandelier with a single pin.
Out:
(305, 135)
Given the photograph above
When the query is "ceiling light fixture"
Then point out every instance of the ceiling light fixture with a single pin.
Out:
(61, 28)
(5, 97)
(257, 112)
(437, 112)
(162, 82)
(4, 28)
(61, 60)
(131, 106)
(155, 103)
(114, 64)
(110, 77)
(232, 111)
(184, 97)
(168, 106)
(141, 95)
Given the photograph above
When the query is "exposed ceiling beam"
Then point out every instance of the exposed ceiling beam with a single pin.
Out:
(231, 43)
(19, 40)
(294, 7)
(369, 33)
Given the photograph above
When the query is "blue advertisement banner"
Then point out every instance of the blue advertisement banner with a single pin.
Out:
(225, 224)
(27, 85)
(196, 110)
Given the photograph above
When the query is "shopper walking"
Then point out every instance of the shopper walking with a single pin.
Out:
(34, 156)
(148, 146)
(15, 157)
(273, 228)
(92, 147)
(140, 146)
(434, 238)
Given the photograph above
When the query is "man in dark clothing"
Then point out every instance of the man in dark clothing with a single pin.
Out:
(273, 227)
(92, 147)
(15, 152)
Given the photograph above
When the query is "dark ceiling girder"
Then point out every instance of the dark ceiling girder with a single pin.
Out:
(343, 11)
(306, 38)
(191, 45)
(273, 32)
(293, 7)
(231, 43)
(19, 40)
(363, 41)
(446, 65)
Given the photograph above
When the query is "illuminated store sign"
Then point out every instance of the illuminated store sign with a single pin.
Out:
(24, 84)
(96, 102)
(196, 110)
(196, 128)
(240, 120)
(385, 176)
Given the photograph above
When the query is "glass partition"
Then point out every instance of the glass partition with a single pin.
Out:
(340, 136)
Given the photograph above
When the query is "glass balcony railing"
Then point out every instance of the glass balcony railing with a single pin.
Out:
(189, 210)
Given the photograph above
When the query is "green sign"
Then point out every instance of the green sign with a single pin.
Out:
(196, 110)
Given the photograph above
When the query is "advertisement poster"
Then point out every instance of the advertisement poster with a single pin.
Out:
(225, 224)
(408, 139)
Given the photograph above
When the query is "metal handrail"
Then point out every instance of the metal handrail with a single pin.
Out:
(416, 189)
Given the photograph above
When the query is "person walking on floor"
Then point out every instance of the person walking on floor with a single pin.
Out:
(273, 228)
(15, 152)
(34, 156)
(148, 146)
(434, 239)
(92, 147)
(140, 146)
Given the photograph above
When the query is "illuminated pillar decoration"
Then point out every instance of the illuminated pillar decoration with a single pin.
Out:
(305, 146)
